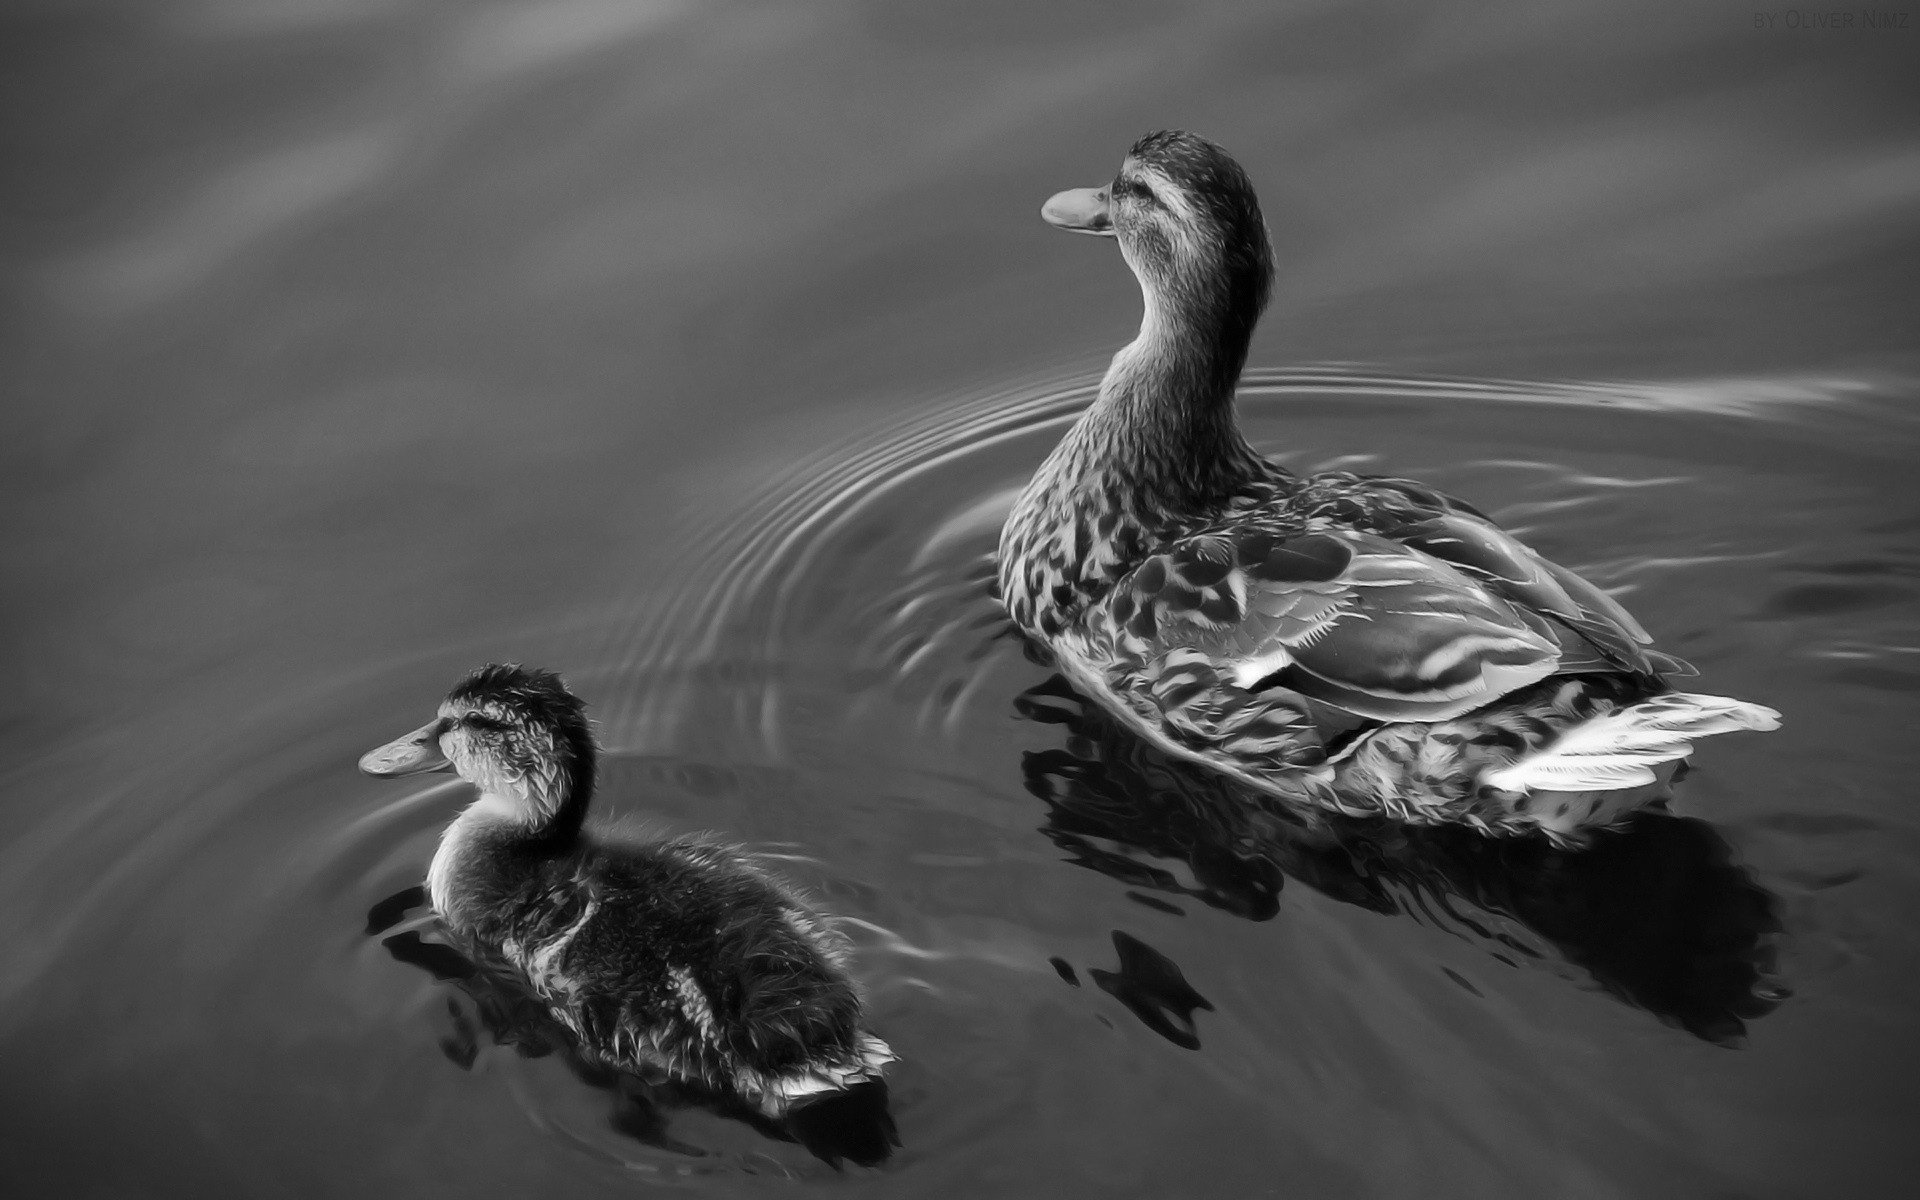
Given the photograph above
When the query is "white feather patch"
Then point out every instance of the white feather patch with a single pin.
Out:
(869, 1062)
(542, 965)
(693, 1002)
(1458, 649)
(1621, 750)
(1253, 670)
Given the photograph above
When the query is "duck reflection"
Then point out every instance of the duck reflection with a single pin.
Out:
(853, 1126)
(1656, 912)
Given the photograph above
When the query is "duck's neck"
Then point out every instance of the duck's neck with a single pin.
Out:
(1159, 449)
(510, 831)
(1164, 420)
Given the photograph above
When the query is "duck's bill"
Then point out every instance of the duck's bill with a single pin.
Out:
(410, 755)
(1081, 210)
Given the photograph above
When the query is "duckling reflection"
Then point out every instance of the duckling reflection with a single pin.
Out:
(1656, 912)
(854, 1126)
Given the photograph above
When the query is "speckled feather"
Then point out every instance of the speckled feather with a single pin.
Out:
(1363, 643)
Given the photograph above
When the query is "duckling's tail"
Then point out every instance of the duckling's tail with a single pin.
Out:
(1624, 748)
(867, 1060)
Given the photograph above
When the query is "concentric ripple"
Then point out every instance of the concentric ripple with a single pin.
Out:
(885, 536)
(828, 679)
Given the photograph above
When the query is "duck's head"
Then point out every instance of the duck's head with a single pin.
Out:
(512, 732)
(1188, 225)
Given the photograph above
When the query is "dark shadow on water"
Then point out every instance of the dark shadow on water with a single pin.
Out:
(1657, 913)
(1153, 989)
(854, 1126)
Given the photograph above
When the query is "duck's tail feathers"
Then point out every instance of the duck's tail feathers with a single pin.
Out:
(1621, 749)
(868, 1060)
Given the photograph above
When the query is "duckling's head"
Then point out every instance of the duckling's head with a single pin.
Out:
(1188, 224)
(512, 732)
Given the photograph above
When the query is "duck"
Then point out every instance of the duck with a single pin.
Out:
(1359, 644)
(680, 958)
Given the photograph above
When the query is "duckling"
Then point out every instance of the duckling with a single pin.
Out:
(680, 956)
(1368, 645)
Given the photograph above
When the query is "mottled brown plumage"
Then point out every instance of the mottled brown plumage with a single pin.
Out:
(1366, 644)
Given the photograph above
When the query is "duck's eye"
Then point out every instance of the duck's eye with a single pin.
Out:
(1134, 190)
(482, 723)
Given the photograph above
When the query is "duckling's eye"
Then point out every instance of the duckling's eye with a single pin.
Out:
(1134, 189)
(481, 723)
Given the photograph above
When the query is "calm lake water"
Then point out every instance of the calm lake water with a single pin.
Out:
(695, 350)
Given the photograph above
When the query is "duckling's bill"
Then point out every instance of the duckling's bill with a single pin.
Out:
(410, 754)
(1081, 210)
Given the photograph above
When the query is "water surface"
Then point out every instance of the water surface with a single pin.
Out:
(696, 350)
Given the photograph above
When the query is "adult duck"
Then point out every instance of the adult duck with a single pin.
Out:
(1365, 644)
(679, 957)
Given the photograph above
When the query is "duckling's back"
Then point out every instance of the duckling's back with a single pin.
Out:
(683, 956)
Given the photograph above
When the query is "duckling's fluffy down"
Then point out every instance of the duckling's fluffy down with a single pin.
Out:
(686, 957)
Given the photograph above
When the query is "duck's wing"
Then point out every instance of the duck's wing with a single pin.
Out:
(1457, 533)
(1376, 627)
